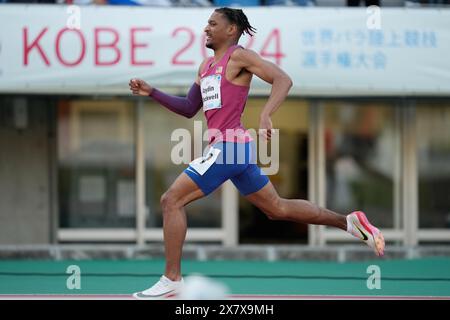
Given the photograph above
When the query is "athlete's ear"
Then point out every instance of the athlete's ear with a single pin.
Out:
(232, 29)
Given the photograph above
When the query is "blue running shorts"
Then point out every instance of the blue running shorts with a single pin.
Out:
(236, 161)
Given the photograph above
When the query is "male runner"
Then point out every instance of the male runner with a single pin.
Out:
(221, 88)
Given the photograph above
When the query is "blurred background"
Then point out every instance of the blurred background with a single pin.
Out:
(83, 164)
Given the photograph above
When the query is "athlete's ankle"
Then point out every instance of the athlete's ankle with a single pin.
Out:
(173, 276)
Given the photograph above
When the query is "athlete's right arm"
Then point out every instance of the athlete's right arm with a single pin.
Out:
(187, 106)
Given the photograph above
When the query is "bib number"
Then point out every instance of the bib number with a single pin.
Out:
(210, 87)
(202, 164)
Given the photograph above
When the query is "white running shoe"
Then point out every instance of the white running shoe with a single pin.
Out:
(360, 227)
(164, 288)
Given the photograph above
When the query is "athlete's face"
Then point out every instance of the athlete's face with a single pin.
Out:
(218, 30)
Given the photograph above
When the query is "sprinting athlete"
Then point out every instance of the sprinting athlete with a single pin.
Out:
(221, 88)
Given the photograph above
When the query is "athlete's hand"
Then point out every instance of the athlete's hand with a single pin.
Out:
(140, 87)
(265, 127)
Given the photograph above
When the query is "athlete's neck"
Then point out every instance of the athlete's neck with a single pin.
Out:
(220, 52)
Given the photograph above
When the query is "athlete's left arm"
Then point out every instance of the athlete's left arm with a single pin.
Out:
(271, 73)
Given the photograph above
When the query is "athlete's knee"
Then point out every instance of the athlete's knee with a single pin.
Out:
(168, 201)
(276, 210)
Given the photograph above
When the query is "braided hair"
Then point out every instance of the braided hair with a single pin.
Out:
(237, 17)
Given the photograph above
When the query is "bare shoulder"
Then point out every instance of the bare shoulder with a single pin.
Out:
(244, 57)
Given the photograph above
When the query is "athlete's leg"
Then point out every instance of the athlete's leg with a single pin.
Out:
(189, 186)
(277, 208)
(180, 193)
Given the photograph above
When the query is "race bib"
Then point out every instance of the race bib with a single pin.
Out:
(202, 164)
(210, 87)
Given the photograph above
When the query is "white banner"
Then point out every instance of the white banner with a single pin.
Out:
(326, 51)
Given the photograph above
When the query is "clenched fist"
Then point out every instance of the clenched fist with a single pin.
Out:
(140, 87)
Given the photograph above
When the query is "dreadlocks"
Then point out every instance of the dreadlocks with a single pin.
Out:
(237, 17)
